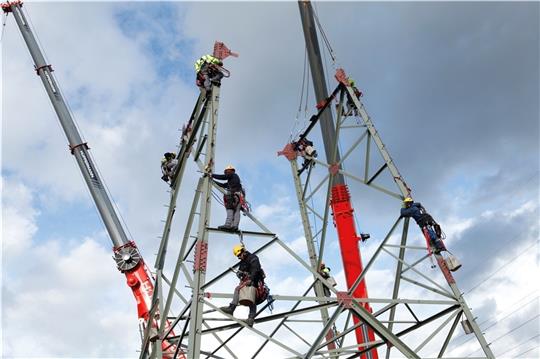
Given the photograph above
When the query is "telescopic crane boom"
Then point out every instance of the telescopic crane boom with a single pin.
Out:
(126, 255)
(341, 201)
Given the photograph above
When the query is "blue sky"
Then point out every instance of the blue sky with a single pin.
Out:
(451, 87)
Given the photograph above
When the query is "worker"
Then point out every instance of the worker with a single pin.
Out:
(207, 71)
(324, 271)
(251, 274)
(351, 108)
(424, 221)
(233, 198)
(307, 151)
(168, 166)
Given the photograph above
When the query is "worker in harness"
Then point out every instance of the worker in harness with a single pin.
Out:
(250, 274)
(307, 151)
(233, 198)
(351, 108)
(208, 72)
(424, 221)
(324, 271)
(168, 166)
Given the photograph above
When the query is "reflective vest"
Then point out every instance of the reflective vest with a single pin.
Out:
(205, 59)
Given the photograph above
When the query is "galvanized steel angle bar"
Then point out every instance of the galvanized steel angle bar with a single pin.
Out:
(353, 147)
(422, 285)
(296, 334)
(397, 277)
(377, 187)
(281, 322)
(415, 263)
(181, 258)
(437, 330)
(199, 275)
(327, 327)
(278, 343)
(316, 189)
(373, 258)
(314, 213)
(405, 247)
(380, 145)
(419, 273)
(449, 335)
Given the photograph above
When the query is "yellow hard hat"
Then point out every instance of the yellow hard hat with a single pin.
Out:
(229, 167)
(408, 199)
(237, 249)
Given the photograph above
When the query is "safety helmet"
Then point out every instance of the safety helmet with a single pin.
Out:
(229, 167)
(237, 249)
(408, 199)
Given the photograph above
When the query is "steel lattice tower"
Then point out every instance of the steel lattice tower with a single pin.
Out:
(179, 325)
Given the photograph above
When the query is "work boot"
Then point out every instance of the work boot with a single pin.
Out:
(233, 229)
(249, 321)
(439, 246)
(228, 309)
(224, 227)
(165, 178)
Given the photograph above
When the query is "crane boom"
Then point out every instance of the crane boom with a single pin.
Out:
(341, 201)
(127, 256)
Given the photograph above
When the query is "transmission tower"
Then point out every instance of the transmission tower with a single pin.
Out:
(437, 304)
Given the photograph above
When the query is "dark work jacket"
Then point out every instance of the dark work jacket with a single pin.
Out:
(233, 181)
(419, 214)
(414, 211)
(251, 265)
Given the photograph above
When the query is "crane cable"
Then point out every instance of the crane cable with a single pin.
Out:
(293, 134)
(323, 35)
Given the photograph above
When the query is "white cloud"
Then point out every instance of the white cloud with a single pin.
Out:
(18, 217)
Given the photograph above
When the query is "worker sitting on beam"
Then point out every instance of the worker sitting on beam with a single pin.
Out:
(208, 72)
(251, 290)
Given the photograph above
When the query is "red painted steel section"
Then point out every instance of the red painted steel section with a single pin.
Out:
(350, 253)
(142, 286)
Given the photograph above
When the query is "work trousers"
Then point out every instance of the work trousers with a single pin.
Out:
(233, 216)
(436, 241)
(236, 299)
(210, 76)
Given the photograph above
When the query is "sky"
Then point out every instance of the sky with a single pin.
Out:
(453, 89)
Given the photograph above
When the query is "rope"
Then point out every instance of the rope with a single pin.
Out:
(323, 35)
(293, 134)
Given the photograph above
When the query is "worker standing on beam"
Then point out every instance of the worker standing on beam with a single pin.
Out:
(233, 198)
(208, 72)
(424, 221)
